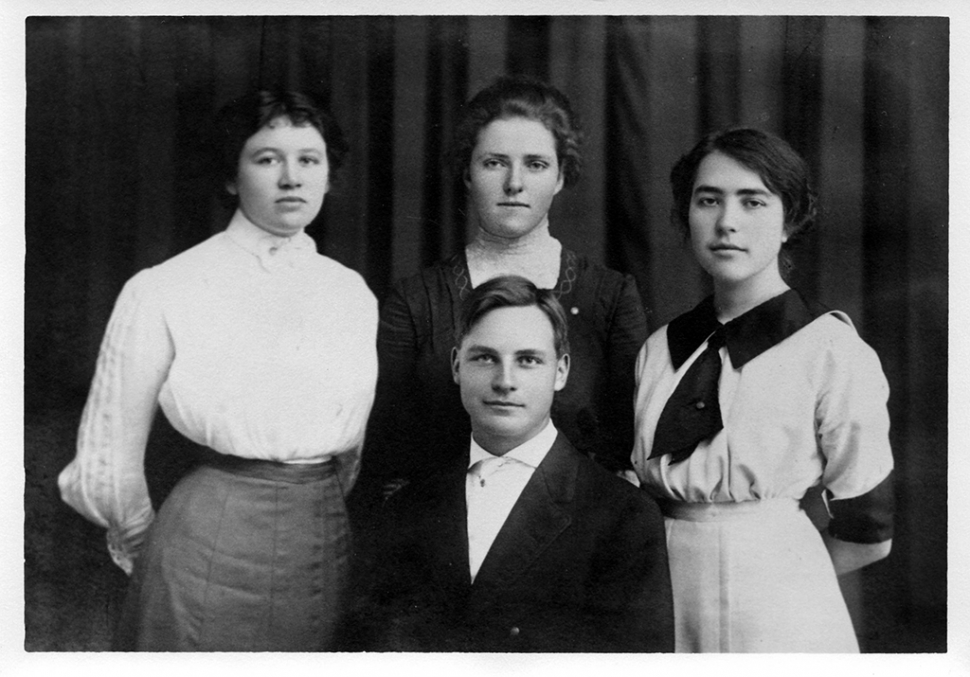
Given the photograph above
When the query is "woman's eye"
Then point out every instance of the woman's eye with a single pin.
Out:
(754, 204)
(265, 160)
(491, 164)
(310, 160)
(538, 166)
(706, 201)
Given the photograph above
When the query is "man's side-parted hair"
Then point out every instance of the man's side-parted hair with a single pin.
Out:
(513, 291)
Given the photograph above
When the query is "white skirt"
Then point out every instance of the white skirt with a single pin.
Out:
(753, 577)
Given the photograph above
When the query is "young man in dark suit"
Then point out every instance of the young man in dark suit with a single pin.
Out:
(523, 544)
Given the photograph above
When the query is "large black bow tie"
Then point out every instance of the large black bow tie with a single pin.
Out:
(693, 413)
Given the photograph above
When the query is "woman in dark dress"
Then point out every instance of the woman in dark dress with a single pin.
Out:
(517, 146)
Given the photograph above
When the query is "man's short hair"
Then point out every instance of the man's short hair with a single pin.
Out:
(513, 291)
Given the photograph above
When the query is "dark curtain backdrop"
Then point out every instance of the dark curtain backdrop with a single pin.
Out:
(116, 107)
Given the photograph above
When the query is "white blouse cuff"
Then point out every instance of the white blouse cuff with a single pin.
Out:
(124, 545)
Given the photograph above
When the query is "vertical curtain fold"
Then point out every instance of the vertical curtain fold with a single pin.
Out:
(577, 60)
(380, 161)
(717, 72)
(446, 88)
(528, 46)
(410, 163)
(801, 75)
(841, 167)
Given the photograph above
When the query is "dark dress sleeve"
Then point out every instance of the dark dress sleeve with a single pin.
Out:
(397, 349)
(417, 407)
(626, 333)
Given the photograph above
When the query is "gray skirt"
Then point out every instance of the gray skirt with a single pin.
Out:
(242, 556)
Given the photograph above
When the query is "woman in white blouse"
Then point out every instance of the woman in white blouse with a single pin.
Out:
(746, 402)
(263, 352)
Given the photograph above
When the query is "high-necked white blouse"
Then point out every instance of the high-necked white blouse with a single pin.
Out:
(253, 345)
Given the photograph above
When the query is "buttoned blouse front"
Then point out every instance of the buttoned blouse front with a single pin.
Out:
(811, 408)
(253, 345)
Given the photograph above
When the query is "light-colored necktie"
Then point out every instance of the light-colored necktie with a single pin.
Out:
(487, 467)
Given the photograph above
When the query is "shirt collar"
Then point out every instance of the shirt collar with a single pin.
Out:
(747, 335)
(530, 452)
(270, 249)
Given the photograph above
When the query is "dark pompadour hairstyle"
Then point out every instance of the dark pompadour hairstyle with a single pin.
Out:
(526, 97)
(783, 171)
(244, 116)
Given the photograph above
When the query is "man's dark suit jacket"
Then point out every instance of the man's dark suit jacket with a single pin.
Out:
(579, 565)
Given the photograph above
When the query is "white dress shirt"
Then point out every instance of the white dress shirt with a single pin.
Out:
(254, 345)
(494, 484)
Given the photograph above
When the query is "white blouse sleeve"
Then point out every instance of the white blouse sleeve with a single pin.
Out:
(853, 419)
(106, 480)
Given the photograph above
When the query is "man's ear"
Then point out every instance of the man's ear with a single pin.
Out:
(562, 372)
(454, 365)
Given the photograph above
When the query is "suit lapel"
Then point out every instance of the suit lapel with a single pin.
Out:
(540, 515)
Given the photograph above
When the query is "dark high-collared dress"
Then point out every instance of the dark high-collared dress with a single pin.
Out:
(803, 400)
(418, 406)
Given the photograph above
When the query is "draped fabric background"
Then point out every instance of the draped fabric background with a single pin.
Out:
(115, 182)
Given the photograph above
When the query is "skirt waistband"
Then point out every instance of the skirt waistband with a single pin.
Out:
(295, 473)
(726, 511)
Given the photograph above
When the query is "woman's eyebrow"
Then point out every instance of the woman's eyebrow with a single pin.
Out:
(277, 149)
(707, 189)
(742, 191)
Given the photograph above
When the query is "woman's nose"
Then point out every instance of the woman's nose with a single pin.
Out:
(727, 218)
(289, 175)
(513, 181)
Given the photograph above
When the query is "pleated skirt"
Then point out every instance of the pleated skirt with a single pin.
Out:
(753, 577)
(242, 561)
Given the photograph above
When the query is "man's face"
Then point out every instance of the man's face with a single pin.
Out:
(508, 373)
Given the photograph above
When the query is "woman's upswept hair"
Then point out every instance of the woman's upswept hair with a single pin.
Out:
(520, 96)
(783, 171)
(242, 117)
(512, 291)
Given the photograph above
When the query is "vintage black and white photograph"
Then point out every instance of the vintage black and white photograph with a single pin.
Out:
(579, 329)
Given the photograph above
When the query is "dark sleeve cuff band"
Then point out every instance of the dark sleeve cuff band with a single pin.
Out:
(864, 519)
